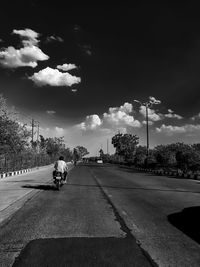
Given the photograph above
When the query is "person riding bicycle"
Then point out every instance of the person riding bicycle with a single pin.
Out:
(61, 166)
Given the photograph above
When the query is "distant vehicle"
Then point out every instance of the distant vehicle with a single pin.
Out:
(99, 161)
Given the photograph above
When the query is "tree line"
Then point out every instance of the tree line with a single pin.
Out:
(18, 151)
(185, 157)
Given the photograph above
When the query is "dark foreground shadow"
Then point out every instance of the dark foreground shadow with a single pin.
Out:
(188, 221)
(40, 186)
(82, 252)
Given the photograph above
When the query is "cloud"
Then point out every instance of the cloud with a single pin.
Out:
(119, 116)
(170, 130)
(196, 117)
(86, 49)
(53, 38)
(50, 112)
(27, 56)
(53, 132)
(30, 36)
(115, 119)
(66, 67)
(54, 77)
(172, 115)
(149, 122)
(154, 101)
(91, 122)
(152, 115)
(77, 28)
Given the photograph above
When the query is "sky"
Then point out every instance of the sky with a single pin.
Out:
(77, 67)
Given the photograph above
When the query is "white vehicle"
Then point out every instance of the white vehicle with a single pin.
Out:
(99, 161)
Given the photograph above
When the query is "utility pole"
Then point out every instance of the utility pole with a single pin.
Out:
(147, 128)
(107, 147)
(148, 104)
(38, 131)
(33, 125)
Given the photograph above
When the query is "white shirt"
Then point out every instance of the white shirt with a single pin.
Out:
(61, 166)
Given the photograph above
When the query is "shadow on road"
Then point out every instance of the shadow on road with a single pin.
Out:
(82, 252)
(40, 186)
(187, 221)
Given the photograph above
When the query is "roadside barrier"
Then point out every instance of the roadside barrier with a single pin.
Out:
(180, 174)
(9, 174)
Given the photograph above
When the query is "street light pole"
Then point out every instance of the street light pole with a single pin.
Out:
(147, 128)
(148, 104)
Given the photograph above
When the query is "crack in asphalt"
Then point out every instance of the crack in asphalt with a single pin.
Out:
(120, 220)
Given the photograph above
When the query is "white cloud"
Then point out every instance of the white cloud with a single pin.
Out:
(91, 122)
(149, 122)
(66, 67)
(152, 115)
(173, 116)
(196, 117)
(54, 38)
(54, 77)
(53, 132)
(170, 130)
(117, 118)
(154, 101)
(27, 56)
(120, 116)
(50, 112)
(30, 36)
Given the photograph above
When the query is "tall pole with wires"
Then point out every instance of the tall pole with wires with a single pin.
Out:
(148, 104)
(147, 129)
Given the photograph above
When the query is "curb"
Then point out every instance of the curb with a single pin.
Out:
(8, 174)
(193, 176)
(13, 173)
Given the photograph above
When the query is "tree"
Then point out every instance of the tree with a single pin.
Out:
(140, 155)
(165, 155)
(13, 136)
(79, 152)
(125, 145)
(101, 153)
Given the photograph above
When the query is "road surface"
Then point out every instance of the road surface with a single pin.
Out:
(105, 216)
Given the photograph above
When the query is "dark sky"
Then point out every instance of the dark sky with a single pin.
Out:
(122, 52)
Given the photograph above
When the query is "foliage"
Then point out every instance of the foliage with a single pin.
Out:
(125, 145)
(140, 155)
(79, 152)
(13, 136)
(165, 155)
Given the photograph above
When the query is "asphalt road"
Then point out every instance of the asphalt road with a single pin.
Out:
(95, 218)
(76, 226)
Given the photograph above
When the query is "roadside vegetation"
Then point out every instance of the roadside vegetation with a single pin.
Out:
(18, 151)
(178, 157)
